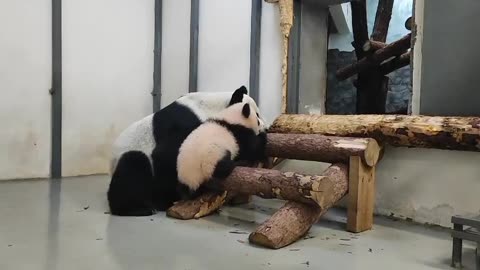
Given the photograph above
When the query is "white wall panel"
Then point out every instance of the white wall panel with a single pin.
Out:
(25, 78)
(175, 49)
(107, 77)
(224, 45)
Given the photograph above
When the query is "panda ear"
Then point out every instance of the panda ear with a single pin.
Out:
(246, 110)
(243, 90)
(238, 95)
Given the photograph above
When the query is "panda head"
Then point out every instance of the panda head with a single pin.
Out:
(241, 96)
(242, 114)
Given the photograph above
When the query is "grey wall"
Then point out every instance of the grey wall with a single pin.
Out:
(451, 42)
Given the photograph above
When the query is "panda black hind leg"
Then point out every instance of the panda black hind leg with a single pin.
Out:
(130, 190)
(224, 167)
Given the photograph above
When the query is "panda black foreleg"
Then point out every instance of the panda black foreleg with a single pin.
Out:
(164, 188)
(261, 147)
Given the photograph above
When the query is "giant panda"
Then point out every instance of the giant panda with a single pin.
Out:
(143, 164)
(213, 148)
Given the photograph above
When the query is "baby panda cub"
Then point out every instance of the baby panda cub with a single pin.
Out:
(214, 148)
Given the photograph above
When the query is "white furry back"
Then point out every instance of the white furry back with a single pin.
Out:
(208, 104)
(201, 151)
(205, 104)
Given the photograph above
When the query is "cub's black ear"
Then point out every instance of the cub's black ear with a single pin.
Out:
(246, 110)
(243, 90)
(238, 95)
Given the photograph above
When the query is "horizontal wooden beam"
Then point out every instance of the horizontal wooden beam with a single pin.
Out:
(274, 184)
(372, 46)
(454, 133)
(322, 148)
(316, 191)
(396, 63)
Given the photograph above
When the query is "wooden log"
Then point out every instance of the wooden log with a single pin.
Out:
(393, 49)
(396, 63)
(454, 133)
(210, 201)
(328, 149)
(293, 220)
(239, 199)
(274, 184)
(265, 183)
(372, 46)
(203, 205)
(382, 20)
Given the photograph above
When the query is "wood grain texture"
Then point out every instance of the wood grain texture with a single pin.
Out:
(293, 220)
(382, 20)
(454, 133)
(322, 148)
(203, 205)
(361, 196)
(393, 49)
(396, 63)
(372, 46)
(270, 184)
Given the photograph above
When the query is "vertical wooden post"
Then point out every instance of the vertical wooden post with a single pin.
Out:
(361, 196)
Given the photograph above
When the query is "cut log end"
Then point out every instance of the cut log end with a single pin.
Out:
(261, 240)
(372, 153)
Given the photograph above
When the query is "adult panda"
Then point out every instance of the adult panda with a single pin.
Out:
(143, 165)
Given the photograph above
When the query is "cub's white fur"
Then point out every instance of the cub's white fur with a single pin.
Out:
(207, 145)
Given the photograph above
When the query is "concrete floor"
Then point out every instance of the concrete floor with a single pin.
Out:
(41, 230)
